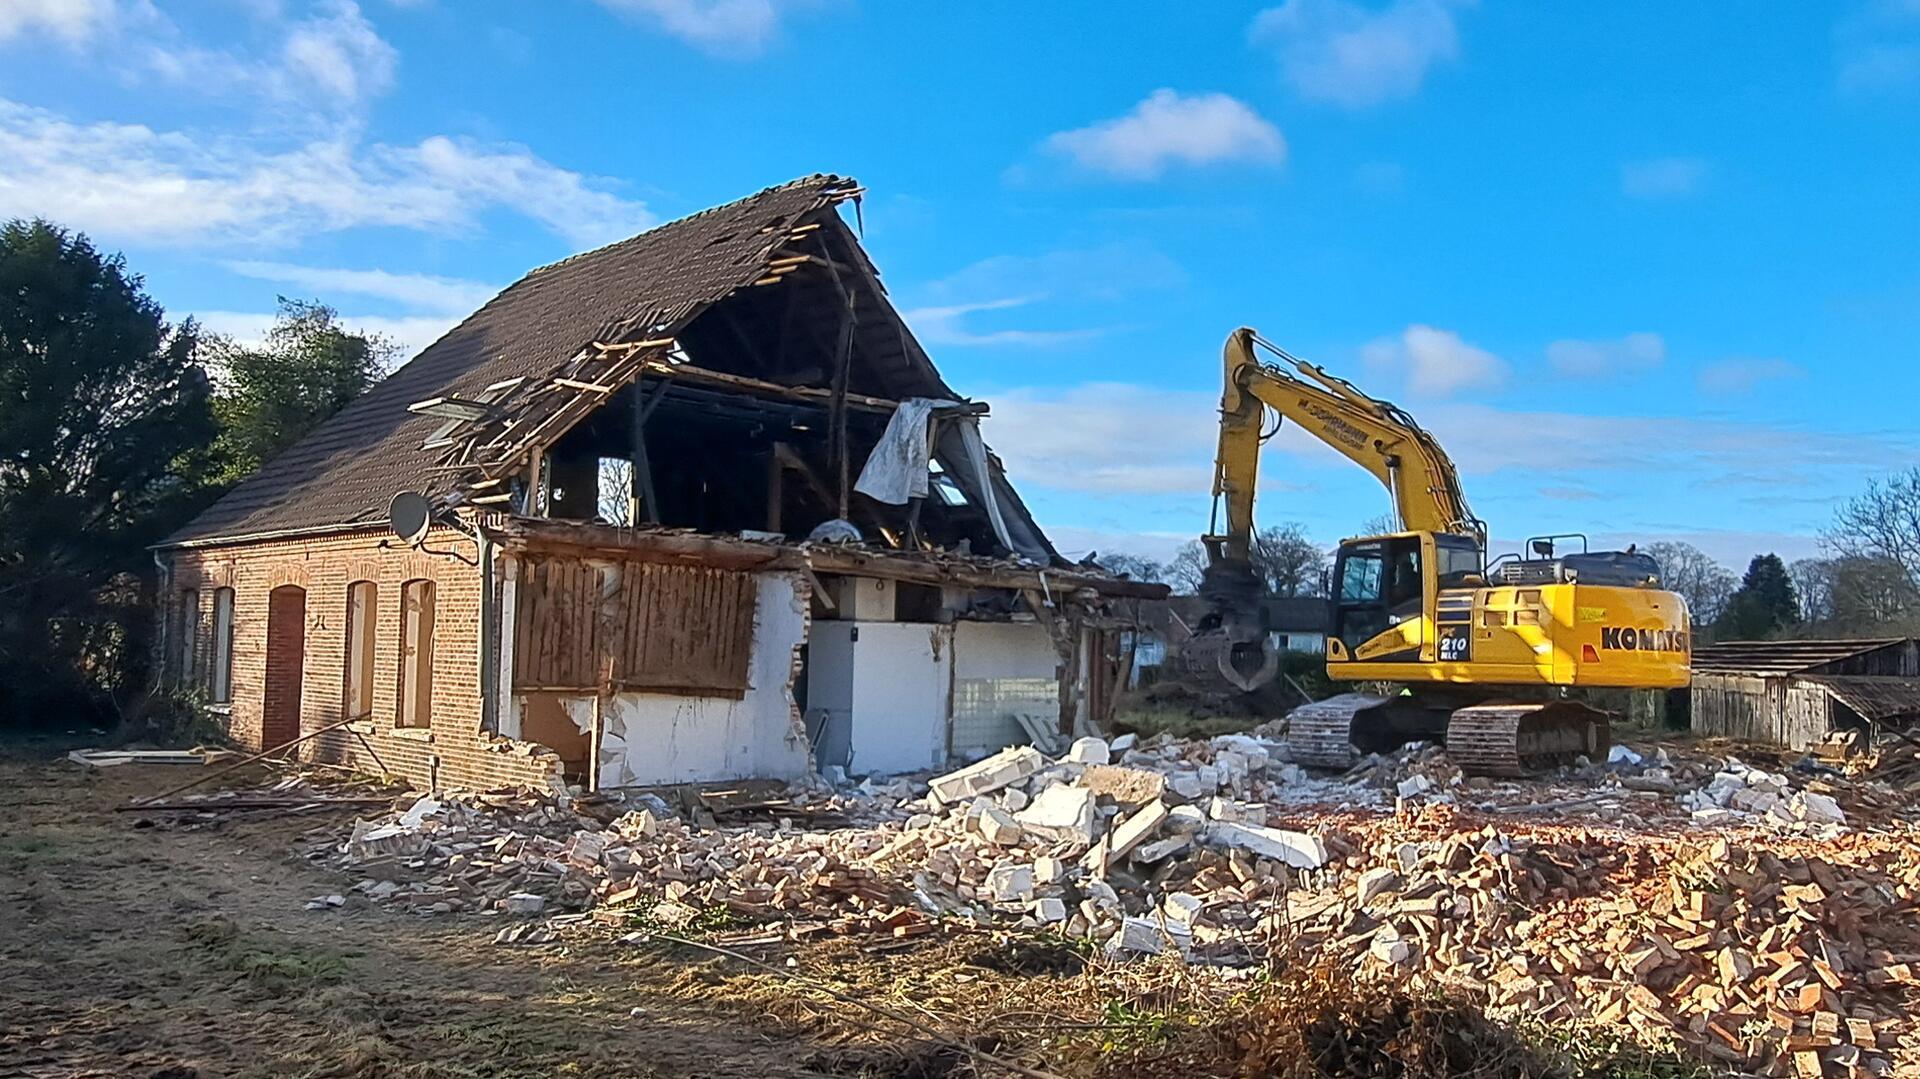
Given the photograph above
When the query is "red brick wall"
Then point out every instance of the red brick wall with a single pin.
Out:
(453, 752)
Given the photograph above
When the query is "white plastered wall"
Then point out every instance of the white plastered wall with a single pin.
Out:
(1001, 669)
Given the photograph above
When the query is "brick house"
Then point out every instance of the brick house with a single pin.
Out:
(693, 506)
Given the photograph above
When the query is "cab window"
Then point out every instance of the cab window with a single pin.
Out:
(1360, 574)
(1460, 561)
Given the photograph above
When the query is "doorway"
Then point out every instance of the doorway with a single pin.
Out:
(286, 665)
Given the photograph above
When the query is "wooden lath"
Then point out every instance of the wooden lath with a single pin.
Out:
(653, 626)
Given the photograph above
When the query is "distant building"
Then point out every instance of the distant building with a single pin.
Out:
(1795, 693)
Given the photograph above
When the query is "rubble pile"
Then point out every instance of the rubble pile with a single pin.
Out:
(1790, 965)
(1601, 895)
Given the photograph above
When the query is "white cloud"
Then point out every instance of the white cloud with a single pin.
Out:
(72, 21)
(1436, 363)
(450, 295)
(1169, 128)
(1742, 374)
(130, 182)
(338, 55)
(946, 325)
(1120, 439)
(1358, 57)
(411, 333)
(1007, 282)
(1592, 359)
(1663, 178)
(331, 62)
(736, 28)
(1080, 272)
(1093, 437)
(1877, 48)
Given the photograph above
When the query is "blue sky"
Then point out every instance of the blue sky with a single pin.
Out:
(1648, 270)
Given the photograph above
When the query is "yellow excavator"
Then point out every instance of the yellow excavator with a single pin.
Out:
(1484, 652)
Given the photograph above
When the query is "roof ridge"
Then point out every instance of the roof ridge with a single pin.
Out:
(822, 179)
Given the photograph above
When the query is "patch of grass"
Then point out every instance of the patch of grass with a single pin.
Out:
(708, 922)
(270, 963)
(50, 845)
(1125, 1027)
(1591, 1051)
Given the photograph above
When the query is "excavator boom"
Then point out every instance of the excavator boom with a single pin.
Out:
(1374, 434)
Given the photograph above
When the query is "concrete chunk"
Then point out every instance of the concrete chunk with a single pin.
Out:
(523, 903)
(1005, 768)
(1814, 806)
(1159, 849)
(1010, 883)
(999, 828)
(1186, 820)
(1131, 832)
(1061, 813)
(1127, 786)
(1376, 881)
(1297, 849)
(1139, 936)
(1182, 907)
(1048, 911)
(1089, 751)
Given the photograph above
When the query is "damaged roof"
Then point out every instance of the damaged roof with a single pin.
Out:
(1780, 657)
(642, 289)
(1874, 697)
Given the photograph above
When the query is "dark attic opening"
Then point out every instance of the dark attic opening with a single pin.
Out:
(796, 406)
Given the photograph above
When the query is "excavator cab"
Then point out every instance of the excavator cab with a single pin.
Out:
(1393, 582)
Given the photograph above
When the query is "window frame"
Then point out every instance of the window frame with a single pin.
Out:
(220, 664)
(361, 639)
(188, 647)
(413, 704)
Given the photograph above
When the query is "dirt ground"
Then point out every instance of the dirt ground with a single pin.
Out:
(148, 951)
(133, 947)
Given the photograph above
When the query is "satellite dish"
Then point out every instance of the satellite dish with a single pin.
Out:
(409, 515)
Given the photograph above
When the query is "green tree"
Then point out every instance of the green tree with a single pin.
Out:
(272, 394)
(1764, 604)
(104, 428)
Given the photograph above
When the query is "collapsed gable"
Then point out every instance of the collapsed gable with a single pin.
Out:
(752, 343)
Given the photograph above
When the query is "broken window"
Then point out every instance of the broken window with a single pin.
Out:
(616, 490)
(189, 636)
(944, 488)
(416, 655)
(362, 615)
(220, 676)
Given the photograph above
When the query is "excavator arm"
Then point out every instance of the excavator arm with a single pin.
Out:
(1374, 434)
